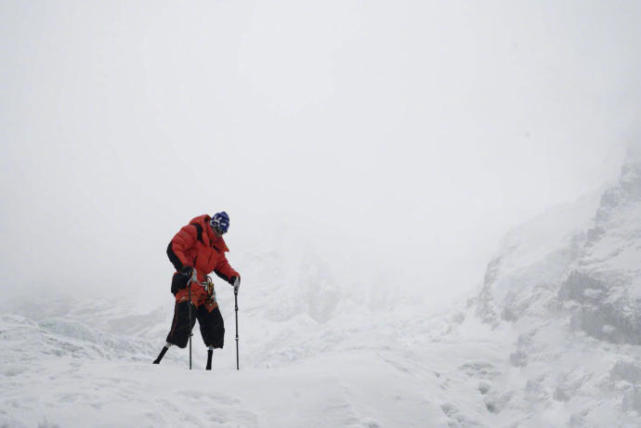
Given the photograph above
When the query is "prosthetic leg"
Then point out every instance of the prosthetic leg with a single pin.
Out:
(163, 351)
(210, 352)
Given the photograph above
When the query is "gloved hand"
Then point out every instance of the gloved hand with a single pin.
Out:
(187, 271)
(235, 282)
(181, 279)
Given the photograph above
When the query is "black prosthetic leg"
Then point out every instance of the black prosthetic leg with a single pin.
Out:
(210, 352)
(163, 351)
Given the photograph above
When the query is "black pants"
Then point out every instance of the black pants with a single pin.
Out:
(212, 327)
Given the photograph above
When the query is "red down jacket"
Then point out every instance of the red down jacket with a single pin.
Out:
(196, 245)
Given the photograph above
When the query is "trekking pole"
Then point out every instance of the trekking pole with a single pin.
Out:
(236, 303)
(189, 302)
(189, 285)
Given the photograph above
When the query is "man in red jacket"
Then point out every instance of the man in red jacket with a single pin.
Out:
(195, 251)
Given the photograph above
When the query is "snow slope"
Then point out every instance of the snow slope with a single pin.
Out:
(551, 339)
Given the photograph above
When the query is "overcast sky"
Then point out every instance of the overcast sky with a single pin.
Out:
(420, 131)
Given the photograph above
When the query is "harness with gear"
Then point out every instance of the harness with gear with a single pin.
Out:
(208, 285)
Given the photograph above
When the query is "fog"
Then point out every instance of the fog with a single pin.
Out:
(397, 140)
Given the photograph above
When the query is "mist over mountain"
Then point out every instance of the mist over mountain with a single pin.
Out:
(550, 339)
(371, 156)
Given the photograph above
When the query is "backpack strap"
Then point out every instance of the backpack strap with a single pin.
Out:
(199, 231)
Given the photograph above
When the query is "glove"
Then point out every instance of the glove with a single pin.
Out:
(187, 271)
(181, 279)
(235, 282)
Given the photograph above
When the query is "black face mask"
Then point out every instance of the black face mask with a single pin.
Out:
(218, 231)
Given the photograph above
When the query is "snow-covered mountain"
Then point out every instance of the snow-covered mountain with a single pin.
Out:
(567, 285)
(589, 265)
(551, 339)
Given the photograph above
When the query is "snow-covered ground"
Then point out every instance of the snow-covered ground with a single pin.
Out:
(385, 369)
(66, 368)
(551, 339)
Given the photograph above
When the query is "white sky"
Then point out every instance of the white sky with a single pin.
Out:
(420, 131)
